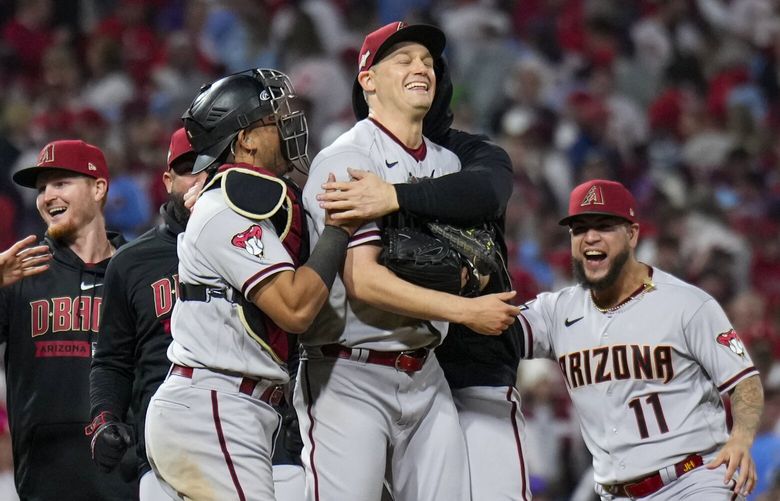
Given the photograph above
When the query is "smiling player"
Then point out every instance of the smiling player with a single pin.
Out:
(50, 324)
(646, 358)
(371, 396)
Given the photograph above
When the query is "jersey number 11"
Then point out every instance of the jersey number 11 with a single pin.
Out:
(655, 403)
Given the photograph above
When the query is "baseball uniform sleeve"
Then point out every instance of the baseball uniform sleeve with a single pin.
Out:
(479, 191)
(336, 164)
(242, 251)
(536, 321)
(717, 347)
(111, 376)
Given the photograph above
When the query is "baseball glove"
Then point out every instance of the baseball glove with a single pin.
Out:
(422, 259)
(476, 245)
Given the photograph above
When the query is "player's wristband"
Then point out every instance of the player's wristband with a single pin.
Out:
(329, 253)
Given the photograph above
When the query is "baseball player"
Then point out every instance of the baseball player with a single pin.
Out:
(481, 370)
(130, 360)
(646, 358)
(49, 322)
(210, 427)
(371, 396)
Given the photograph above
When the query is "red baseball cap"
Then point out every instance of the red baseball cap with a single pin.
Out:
(71, 155)
(180, 146)
(377, 43)
(601, 197)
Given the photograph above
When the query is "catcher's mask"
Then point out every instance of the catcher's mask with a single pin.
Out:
(225, 107)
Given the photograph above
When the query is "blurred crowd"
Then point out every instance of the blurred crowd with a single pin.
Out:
(678, 99)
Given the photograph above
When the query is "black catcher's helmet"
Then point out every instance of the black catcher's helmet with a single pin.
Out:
(225, 107)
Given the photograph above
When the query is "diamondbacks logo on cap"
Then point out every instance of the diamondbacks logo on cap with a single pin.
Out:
(731, 340)
(594, 196)
(47, 155)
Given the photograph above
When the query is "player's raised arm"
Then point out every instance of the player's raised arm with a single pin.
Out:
(23, 259)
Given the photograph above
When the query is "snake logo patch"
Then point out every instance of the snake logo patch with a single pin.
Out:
(731, 340)
(249, 240)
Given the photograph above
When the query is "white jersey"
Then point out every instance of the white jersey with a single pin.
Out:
(646, 378)
(368, 146)
(225, 250)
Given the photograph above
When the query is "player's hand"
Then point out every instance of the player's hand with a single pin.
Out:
(191, 196)
(110, 440)
(350, 225)
(464, 279)
(490, 314)
(21, 260)
(366, 196)
(736, 454)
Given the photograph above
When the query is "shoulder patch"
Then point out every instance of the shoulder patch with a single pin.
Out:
(731, 340)
(252, 194)
(249, 240)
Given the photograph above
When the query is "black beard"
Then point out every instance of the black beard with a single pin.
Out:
(180, 212)
(608, 280)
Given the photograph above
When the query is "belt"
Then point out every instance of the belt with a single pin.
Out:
(271, 395)
(405, 361)
(203, 293)
(653, 483)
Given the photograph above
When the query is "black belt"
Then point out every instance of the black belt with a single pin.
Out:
(199, 292)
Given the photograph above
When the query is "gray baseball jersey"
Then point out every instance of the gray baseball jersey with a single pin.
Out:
(366, 418)
(196, 426)
(369, 147)
(646, 379)
(225, 250)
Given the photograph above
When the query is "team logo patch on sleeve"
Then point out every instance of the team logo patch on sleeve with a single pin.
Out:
(731, 340)
(249, 240)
